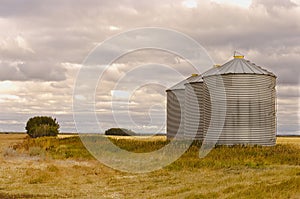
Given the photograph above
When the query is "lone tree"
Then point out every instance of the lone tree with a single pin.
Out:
(40, 126)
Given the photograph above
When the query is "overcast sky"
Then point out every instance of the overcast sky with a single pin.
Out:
(44, 43)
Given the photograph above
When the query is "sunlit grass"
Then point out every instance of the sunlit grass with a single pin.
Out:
(219, 157)
(288, 140)
(67, 170)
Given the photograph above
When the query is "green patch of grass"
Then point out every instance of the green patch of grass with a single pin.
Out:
(254, 157)
(139, 146)
(64, 148)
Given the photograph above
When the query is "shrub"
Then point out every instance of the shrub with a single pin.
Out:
(119, 132)
(40, 126)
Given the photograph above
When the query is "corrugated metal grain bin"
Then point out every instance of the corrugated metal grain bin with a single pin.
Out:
(175, 109)
(250, 98)
(194, 109)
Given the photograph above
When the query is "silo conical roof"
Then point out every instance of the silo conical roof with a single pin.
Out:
(196, 79)
(181, 84)
(246, 99)
(238, 65)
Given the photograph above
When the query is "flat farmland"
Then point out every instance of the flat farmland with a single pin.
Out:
(62, 168)
(288, 140)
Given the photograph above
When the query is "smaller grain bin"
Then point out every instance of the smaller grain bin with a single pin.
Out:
(175, 108)
(194, 109)
(250, 103)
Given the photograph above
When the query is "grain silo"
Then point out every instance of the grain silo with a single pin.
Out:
(175, 108)
(194, 109)
(250, 102)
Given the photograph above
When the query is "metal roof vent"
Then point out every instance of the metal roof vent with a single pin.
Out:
(238, 55)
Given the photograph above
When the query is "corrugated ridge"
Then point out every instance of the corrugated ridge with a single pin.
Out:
(251, 116)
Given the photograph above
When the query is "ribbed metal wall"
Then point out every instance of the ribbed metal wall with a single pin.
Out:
(247, 101)
(175, 115)
(250, 111)
(176, 107)
(194, 111)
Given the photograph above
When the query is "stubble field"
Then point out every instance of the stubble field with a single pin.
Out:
(62, 168)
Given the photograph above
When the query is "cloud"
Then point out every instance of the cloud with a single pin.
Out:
(43, 44)
(216, 26)
(272, 4)
(15, 48)
(30, 71)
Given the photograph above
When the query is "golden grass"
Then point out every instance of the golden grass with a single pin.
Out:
(8, 139)
(61, 136)
(227, 172)
(288, 140)
(140, 138)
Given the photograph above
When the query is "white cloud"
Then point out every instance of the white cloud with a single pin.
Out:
(190, 3)
(22, 43)
(7, 86)
(243, 3)
(114, 28)
(43, 44)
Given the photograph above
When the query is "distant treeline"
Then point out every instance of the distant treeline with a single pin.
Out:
(127, 132)
(287, 135)
(120, 132)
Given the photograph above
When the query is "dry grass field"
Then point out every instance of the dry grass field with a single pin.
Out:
(288, 140)
(62, 168)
